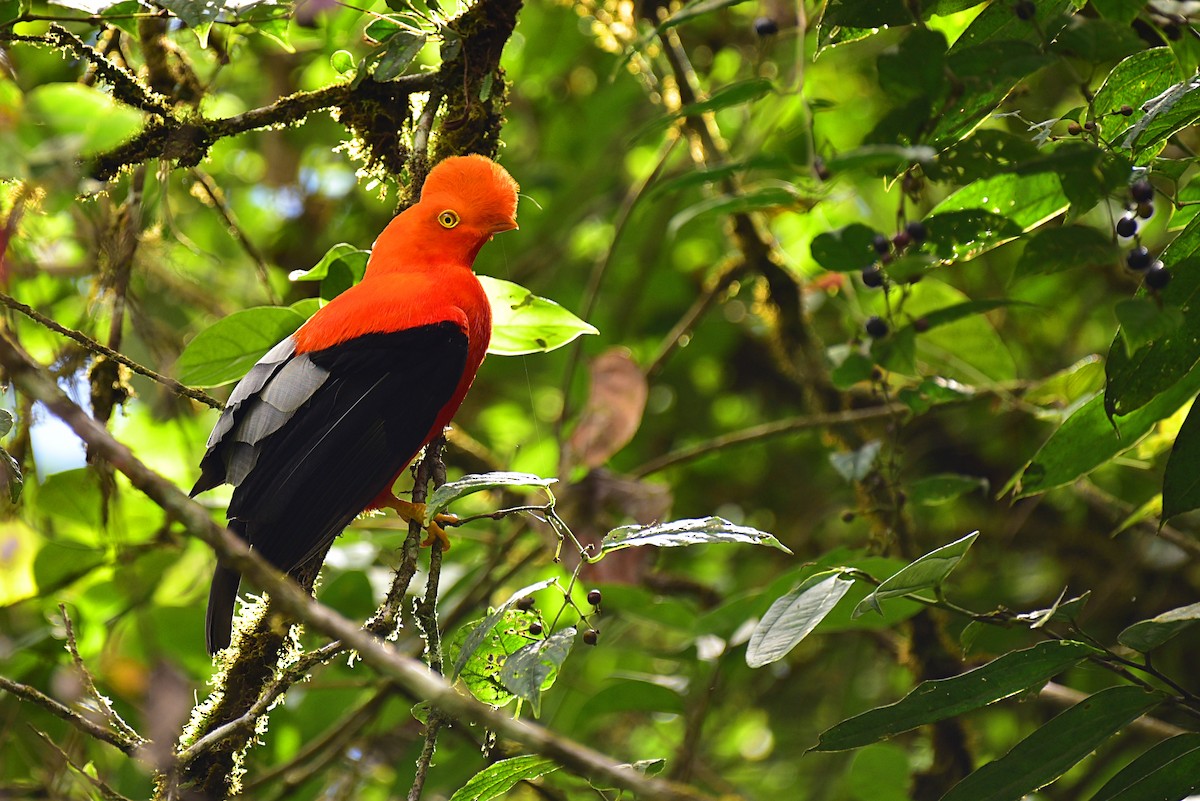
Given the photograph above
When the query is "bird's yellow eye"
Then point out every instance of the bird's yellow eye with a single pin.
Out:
(448, 218)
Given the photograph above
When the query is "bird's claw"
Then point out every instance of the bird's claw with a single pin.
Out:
(409, 511)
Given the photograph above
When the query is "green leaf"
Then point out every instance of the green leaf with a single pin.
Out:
(1026, 201)
(342, 62)
(987, 152)
(451, 491)
(1147, 635)
(632, 695)
(1122, 12)
(477, 634)
(1052, 250)
(855, 465)
(1174, 109)
(533, 669)
(196, 14)
(79, 119)
(1096, 40)
(1055, 747)
(1181, 481)
(991, 70)
(401, 48)
(998, 22)
(678, 533)
(1143, 320)
(960, 311)
(341, 252)
(916, 68)
(963, 235)
(1066, 387)
(846, 249)
(793, 617)
(1137, 79)
(1170, 770)
(73, 495)
(939, 699)
(1133, 380)
(1088, 439)
(6, 422)
(497, 779)
(524, 323)
(925, 573)
(942, 488)
(480, 673)
(227, 349)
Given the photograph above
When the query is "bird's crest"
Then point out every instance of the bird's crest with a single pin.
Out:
(474, 182)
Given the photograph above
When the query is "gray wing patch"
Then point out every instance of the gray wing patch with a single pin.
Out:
(294, 384)
(250, 384)
(240, 458)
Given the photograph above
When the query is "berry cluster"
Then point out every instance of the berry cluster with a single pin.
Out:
(1141, 207)
(886, 249)
(536, 629)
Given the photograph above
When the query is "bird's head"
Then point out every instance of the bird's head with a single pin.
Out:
(469, 198)
(465, 201)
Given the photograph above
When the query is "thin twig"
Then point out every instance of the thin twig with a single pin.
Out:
(88, 727)
(116, 721)
(95, 347)
(218, 201)
(106, 792)
(683, 327)
(765, 431)
(411, 675)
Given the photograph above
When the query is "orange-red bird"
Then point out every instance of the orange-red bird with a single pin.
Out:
(320, 429)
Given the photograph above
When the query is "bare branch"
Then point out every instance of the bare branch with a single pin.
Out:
(88, 727)
(103, 350)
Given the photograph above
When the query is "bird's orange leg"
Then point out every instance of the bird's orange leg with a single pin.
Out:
(409, 511)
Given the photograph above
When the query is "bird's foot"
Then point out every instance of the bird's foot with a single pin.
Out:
(409, 511)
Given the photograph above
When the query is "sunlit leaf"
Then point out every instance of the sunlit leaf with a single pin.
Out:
(227, 349)
(1168, 770)
(478, 633)
(451, 491)
(793, 617)
(524, 323)
(497, 779)
(678, 533)
(1147, 635)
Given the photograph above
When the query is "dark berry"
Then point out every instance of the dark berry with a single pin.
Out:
(1157, 277)
(901, 240)
(877, 328)
(1074, 128)
(535, 629)
(1125, 111)
(1145, 210)
(765, 26)
(887, 258)
(1142, 190)
(917, 231)
(1127, 226)
(820, 170)
(1138, 259)
(847, 516)
(1025, 9)
(525, 603)
(881, 244)
(591, 636)
(921, 325)
(594, 597)
(876, 373)
(872, 276)
(1089, 126)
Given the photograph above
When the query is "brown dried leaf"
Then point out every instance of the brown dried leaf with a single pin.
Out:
(613, 412)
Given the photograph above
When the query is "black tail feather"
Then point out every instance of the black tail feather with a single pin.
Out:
(221, 597)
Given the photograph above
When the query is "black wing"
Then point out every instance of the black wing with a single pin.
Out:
(310, 440)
